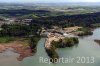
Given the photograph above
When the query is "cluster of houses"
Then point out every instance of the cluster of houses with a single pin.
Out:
(15, 21)
(23, 21)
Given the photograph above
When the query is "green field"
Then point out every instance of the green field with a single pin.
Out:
(6, 39)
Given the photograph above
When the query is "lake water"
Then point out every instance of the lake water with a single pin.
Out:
(86, 48)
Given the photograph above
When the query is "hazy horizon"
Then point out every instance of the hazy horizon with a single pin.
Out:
(48, 1)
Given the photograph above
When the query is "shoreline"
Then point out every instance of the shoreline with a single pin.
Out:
(66, 41)
(18, 47)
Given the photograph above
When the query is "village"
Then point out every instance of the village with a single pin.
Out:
(13, 20)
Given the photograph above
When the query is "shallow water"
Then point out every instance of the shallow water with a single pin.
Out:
(8, 58)
(86, 48)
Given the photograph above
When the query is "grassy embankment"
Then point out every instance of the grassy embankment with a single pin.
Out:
(84, 31)
(6, 39)
(96, 25)
(62, 43)
(29, 41)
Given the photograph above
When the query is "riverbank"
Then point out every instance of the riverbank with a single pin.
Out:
(51, 37)
(66, 32)
(81, 31)
(97, 41)
(19, 47)
(56, 40)
(86, 47)
(50, 49)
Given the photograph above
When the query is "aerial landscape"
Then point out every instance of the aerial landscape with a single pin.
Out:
(50, 33)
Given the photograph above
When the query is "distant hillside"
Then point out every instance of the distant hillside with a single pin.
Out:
(70, 20)
(21, 12)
